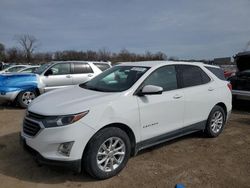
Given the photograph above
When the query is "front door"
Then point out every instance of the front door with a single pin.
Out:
(161, 113)
(60, 77)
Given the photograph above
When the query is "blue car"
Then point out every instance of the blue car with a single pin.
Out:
(20, 87)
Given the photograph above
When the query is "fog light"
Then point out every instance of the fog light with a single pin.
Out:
(65, 148)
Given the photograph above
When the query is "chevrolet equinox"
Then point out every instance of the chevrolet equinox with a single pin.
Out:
(98, 125)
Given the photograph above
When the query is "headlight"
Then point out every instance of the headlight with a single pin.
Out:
(57, 121)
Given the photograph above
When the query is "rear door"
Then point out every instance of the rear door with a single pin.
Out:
(82, 72)
(161, 113)
(200, 93)
(61, 76)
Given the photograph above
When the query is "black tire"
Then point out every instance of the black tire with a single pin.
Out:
(24, 101)
(211, 130)
(90, 158)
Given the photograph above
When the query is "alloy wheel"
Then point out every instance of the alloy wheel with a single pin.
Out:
(217, 121)
(27, 97)
(111, 154)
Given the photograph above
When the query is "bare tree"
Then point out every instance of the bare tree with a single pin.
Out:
(104, 54)
(28, 43)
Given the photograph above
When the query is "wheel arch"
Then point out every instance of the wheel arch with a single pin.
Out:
(28, 89)
(123, 127)
(35, 89)
(128, 131)
(224, 107)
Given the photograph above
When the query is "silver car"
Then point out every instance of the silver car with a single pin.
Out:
(65, 73)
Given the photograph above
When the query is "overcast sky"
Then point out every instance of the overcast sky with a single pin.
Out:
(181, 28)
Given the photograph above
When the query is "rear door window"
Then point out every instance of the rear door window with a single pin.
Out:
(191, 75)
(61, 69)
(82, 68)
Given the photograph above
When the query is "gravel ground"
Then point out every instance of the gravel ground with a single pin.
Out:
(193, 160)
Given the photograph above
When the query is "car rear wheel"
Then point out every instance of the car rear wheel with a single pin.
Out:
(107, 153)
(215, 122)
(24, 98)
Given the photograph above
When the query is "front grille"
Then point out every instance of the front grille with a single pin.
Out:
(30, 128)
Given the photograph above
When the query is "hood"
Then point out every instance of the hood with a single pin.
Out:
(69, 100)
(17, 81)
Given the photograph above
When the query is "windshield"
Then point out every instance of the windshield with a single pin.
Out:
(14, 69)
(29, 70)
(116, 79)
(42, 68)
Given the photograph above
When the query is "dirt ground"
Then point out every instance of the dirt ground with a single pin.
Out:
(194, 160)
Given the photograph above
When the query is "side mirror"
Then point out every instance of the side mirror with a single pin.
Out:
(150, 90)
(48, 72)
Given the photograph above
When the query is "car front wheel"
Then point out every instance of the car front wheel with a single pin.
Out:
(107, 153)
(24, 98)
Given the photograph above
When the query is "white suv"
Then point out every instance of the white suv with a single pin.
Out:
(100, 124)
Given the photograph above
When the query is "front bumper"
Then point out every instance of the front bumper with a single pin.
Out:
(71, 165)
(9, 96)
(46, 142)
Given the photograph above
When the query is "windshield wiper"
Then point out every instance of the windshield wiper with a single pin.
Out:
(95, 89)
(92, 88)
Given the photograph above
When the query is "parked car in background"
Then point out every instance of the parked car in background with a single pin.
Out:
(23, 88)
(4, 65)
(30, 69)
(98, 125)
(13, 68)
(20, 87)
(61, 74)
(228, 74)
(241, 80)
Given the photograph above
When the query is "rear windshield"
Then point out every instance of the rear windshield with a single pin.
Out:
(218, 72)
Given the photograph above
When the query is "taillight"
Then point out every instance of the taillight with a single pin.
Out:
(229, 85)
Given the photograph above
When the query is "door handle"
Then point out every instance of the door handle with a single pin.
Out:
(68, 76)
(90, 75)
(177, 96)
(210, 89)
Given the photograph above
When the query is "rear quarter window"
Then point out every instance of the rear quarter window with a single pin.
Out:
(192, 76)
(102, 66)
(218, 72)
